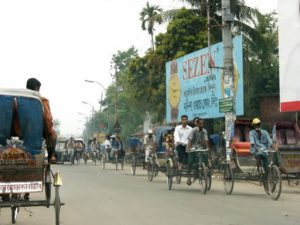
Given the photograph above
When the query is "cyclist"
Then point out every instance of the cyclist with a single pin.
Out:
(198, 138)
(260, 139)
(181, 135)
(149, 144)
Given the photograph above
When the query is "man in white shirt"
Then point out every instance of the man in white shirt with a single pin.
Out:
(181, 135)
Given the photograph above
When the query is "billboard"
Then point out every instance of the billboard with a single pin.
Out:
(193, 89)
(289, 55)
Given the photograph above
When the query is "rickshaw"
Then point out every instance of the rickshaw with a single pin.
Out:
(23, 168)
(90, 153)
(137, 153)
(287, 137)
(243, 165)
(79, 149)
(118, 158)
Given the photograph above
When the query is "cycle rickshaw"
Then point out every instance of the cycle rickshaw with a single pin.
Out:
(23, 168)
(287, 137)
(165, 160)
(243, 165)
(137, 153)
(117, 158)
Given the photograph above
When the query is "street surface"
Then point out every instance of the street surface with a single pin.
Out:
(95, 196)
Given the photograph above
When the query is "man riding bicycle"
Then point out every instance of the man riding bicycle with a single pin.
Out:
(198, 138)
(260, 140)
(149, 144)
(181, 135)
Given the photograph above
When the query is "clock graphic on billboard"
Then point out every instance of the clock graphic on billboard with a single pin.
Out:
(174, 91)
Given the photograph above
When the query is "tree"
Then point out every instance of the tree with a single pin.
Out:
(150, 15)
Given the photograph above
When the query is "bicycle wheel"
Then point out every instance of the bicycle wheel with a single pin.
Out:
(133, 165)
(202, 176)
(228, 179)
(103, 161)
(274, 182)
(209, 174)
(116, 161)
(178, 176)
(169, 175)
(150, 171)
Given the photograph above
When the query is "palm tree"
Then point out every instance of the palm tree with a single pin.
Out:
(150, 15)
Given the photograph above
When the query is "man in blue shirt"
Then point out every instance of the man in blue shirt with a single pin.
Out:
(260, 139)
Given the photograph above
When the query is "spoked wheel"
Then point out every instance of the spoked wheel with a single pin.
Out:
(85, 159)
(116, 161)
(228, 179)
(169, 175)
(122, 164)
(57, 205)
(133, 165)
(209, 174)
(150, 171)
(203, 178)
(14, 213)
(178, 177)
(274, 182)
(103, 161)
(48, 185)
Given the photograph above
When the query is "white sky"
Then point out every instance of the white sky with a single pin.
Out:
(63, 42)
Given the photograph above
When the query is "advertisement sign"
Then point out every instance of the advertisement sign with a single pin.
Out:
(289, 55)
(194, 89)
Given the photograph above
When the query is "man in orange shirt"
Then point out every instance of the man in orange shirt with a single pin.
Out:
(49, 131)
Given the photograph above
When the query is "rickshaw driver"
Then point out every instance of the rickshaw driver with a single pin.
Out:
(260, 138)
(149, 144)
(181, 135)
(198, 138)
(49, 131)
(115, 146)
(70, 146)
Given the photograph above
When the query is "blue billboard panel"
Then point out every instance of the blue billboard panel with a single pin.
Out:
(194, 89)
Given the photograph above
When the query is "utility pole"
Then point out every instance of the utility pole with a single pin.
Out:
(229, 91)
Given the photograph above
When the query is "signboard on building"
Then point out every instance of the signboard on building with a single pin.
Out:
(289, 55)
(193, 89)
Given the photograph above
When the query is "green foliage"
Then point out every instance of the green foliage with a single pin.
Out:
(141, 79)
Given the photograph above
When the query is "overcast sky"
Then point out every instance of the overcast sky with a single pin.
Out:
(63, 42)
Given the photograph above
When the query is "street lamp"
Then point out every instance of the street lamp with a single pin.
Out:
(92, 114)
(102, 86)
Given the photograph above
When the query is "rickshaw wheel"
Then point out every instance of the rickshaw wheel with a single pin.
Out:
(203, 178)
(150, 171)
(116, 161)
(228, 179)
(274, 182)
(57, 205)
(169, 176)
(103, 162)
(14, 213)
(133, 165)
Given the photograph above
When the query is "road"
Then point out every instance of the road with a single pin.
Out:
(94, 196)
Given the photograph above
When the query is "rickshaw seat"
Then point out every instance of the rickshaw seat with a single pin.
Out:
(30, 113)
(242, 148)
(291, 137)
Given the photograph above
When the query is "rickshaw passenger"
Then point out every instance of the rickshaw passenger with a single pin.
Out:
(260, 138)
(149, 144)
(198, 138)
(181, 135)
(115, 146)
(49, 131)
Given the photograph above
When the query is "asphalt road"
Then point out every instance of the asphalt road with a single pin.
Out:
(96, 196)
